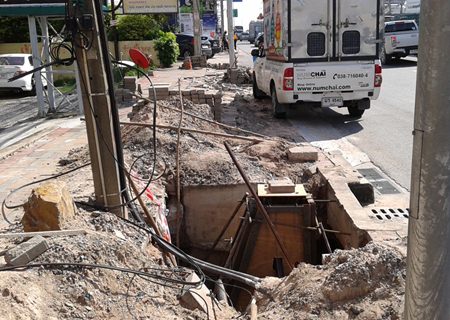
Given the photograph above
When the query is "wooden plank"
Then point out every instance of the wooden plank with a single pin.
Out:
(57, 233)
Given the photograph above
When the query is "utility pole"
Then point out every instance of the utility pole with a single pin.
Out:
(98, 115)
(427, 292)
(230, 33)
(197, 28)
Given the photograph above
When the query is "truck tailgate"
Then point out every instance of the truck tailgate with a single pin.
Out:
(405, 39)
(333, 77)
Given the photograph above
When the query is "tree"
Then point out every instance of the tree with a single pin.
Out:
(139, 27)
(14, 30)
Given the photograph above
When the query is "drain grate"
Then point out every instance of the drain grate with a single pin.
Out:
(380, 183)
(390, 213)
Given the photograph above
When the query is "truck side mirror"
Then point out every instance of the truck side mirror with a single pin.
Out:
(255, 53)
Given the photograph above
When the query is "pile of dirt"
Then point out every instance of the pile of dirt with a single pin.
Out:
(74, 158)
(204, 159)
(366, 283)
(95, 293)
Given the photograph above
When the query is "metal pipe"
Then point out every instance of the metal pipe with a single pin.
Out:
(325, 238)
(259, 204)
(43, 23)
(36, 63)
(428, 280)
(202, 118)
(224, 135)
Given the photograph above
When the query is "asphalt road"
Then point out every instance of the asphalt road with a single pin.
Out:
(383, 135)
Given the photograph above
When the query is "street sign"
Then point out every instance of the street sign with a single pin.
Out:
(150, 6)
(235, 13)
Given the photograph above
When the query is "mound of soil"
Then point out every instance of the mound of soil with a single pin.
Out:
(366, 283)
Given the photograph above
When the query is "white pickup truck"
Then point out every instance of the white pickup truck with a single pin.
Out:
(320, 52)
(401, 38)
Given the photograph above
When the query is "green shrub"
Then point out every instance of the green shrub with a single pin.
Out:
(137, 27)
(167, 47)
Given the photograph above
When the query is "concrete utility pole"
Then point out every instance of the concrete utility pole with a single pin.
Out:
(99, 123)
(197, 28)
(428, 278)
(231, 33)
(222, 18)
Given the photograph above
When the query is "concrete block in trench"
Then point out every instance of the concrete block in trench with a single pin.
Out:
(26, 251)
(302, 154)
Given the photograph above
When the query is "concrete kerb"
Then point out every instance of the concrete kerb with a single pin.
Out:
(345, 212)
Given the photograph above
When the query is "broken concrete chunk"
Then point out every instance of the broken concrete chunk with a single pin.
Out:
(302, 154)
(26, 251)
(48, 208)
(196, 298)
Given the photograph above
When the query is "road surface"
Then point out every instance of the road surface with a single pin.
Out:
(383, 135)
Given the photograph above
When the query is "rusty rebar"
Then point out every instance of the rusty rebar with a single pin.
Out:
(259, 204)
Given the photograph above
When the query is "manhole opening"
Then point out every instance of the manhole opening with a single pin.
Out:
(247, 244)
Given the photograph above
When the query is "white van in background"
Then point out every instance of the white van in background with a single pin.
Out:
(326, 52)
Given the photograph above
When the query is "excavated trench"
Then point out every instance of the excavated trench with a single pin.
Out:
(223, 225)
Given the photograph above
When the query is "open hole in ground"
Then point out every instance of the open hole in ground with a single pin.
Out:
(222, 224)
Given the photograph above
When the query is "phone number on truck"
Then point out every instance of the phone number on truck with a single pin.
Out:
(350, 75)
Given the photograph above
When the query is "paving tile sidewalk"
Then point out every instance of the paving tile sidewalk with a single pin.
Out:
(39, 159)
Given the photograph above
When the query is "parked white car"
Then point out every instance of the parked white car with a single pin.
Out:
(14, 64)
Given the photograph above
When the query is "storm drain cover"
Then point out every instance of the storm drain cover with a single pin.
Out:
(390, 213)
(380, 183)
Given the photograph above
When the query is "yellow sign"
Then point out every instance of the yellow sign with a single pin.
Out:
(149, 6)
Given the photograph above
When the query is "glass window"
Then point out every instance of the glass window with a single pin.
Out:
(351, 42)
(316, 44)
(400, 27)
(12, 61)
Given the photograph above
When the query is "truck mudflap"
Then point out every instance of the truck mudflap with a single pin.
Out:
(333, 79)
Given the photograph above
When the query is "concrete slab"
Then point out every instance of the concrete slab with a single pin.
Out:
(26, 251)
(197, 298)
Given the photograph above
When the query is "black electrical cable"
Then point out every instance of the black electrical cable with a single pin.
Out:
(200, 265)
(5, 205)
(100, 266)
(115, 113)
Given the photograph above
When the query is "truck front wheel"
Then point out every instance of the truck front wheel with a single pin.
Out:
(257, 93)
(278, 109)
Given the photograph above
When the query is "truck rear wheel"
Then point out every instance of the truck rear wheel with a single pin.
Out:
(353, 111)
(385, 58)
(278, 109)
(356, 108)
(257, 93)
